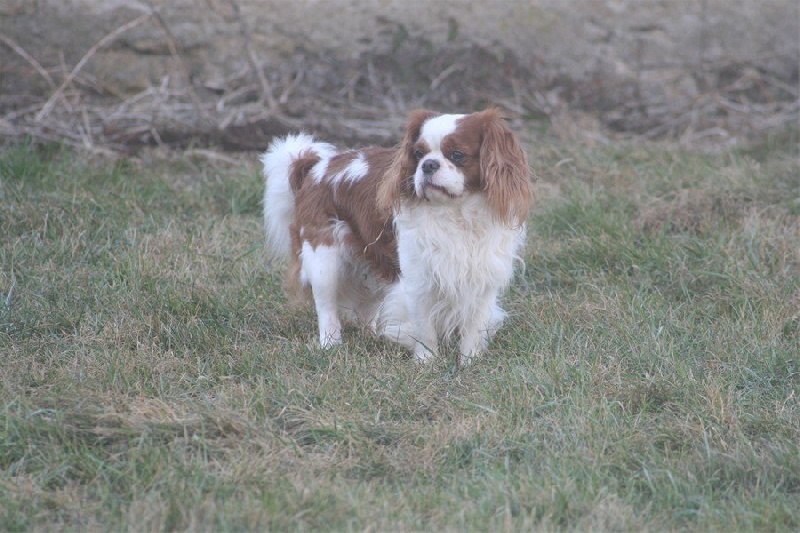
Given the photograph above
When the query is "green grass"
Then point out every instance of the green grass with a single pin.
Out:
(153, 376)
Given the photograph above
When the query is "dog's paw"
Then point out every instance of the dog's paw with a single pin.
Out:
(423, 354)
(329, 339)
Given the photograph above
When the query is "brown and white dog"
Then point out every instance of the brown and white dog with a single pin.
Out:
(418, 241)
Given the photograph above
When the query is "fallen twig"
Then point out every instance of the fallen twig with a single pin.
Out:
(48, 106)
(266, 88)
(174, 51)
(8, 41)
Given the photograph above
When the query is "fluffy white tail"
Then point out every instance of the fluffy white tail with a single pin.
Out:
(278, 194)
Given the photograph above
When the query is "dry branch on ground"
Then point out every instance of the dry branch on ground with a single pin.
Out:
(364, 99)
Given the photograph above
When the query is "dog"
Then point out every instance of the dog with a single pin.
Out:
(418, 241)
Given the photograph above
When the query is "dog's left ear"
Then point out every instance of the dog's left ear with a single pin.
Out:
(504, 170)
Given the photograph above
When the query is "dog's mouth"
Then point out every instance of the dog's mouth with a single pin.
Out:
(430, 190)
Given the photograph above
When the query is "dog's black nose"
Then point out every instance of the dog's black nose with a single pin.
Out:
(429, 166)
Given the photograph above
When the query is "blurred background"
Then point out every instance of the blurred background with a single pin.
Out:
(120, 75)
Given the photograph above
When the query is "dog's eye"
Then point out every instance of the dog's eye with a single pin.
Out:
(457, 156)
(418, 154)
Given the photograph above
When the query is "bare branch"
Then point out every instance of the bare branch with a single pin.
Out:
(174, 51)
(266, 88)
(8, 41)
(48, 106)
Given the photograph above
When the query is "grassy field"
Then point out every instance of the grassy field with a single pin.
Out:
(153, 377)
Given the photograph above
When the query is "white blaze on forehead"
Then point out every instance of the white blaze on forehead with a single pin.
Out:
(437, 128)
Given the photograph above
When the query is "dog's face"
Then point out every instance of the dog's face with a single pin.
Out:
(444, 158)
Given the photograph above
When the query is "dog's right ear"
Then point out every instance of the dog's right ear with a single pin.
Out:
(398, 181)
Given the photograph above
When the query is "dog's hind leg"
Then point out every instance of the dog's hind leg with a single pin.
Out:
(321, 267)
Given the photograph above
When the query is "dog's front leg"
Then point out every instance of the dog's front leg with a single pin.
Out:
(479, 329)
(424, 335)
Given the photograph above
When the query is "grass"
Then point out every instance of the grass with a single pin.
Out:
(153, 376)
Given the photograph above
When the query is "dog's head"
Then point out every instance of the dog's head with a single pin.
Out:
(445, 158)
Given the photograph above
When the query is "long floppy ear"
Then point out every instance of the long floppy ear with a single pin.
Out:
(398, 179)
(504, 170)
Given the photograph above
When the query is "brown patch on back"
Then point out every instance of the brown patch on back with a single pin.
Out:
(321, 206)
(372, 238)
